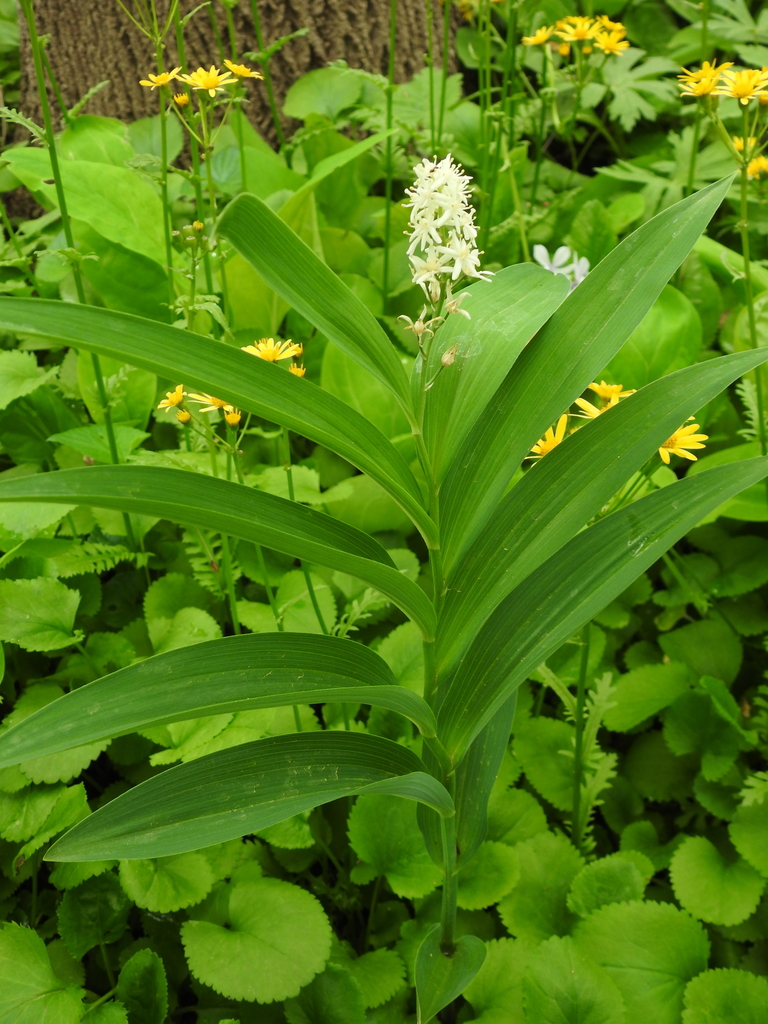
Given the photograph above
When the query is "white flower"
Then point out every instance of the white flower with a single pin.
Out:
(442, 229)
(557, 264)
(575, 271)
(420, 326)
(453, 305)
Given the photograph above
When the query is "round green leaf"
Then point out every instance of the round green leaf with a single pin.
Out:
(668, 338)
(563, 986)
(613, 879)
(489, 876)
(749, 834)
(31, 992)
(536, 907)
(650, 950)
(726, 995)
(379, 974)
(712, 888)
(539, 747)
(94, 913)
(385, 835)
(269, 942)
(496, 994)
(167, 883)
(333, 997)
(515, 815)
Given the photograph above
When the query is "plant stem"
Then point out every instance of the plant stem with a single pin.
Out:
(388, 179)
(267, 76)
(540, 133)
(744, 231)
(694, 151)
(371, 912)
(579, 749)
(34, 39)
(444, 82)
(431, 63)
(291, 494)
(107, 967)
(161, 93)
(450, 887)
(522, 230)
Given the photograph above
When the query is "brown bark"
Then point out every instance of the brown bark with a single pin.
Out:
(93, 40)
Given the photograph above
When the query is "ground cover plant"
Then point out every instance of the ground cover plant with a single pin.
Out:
(383, 557)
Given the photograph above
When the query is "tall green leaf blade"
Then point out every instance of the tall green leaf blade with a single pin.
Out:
(236, 673)
(580, 338)
(244, 789)
(558, 495)
(218, 369)
(551, 604)
(506, 312)
(295, 272)
(237, 511)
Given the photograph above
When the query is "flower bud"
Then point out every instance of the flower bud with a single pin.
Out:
(183, 416)
(448, 357)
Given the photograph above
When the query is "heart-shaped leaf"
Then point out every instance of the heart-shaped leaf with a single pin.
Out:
(440, 978)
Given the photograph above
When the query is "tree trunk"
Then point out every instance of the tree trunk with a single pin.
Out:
(93, 40)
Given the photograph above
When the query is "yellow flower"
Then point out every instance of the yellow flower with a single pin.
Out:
(587, 49)
(564, 49)
(738, 143)
(707, 70)
(297, 371)
(590, 410)
(173, 398)
(552, 437)
(183, 416)
(757, 166)
(272, 350)
(209, 81)
(541, 35)
(181, 99)
(611, 42)
(610, 392)
(606, 25)
(232, 415)
(157, 81)
(574, 29)
(209, 403)
(683, 439)
(241, 71)
(743, 85)
(198, 225)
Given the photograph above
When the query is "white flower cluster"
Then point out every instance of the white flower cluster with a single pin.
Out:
(558, 264)
(443, 229)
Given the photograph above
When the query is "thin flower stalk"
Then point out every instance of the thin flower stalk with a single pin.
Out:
(388, 149)
(29, 16)
(267, 76)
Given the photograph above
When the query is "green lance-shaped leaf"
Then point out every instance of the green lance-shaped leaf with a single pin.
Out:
(506, 312)
(249, 383)
(238, 511)
(236, 673)
(558, 495)
(581, 337)
(244, 789)
(551, 604)
(296, 273)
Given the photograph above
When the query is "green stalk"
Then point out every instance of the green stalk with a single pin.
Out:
(444, 82)
(267, 76)
(431, 63)
(194, 151)
(540, 133)
(450, 887)
(388, 180)
(522, 230)
(56, 90)
(503, 126)
(13, 239)
(744, 232)
(34, 39)
(694, 151)
(286, 441)
(579, 748)
(161, 94)
(216, 33)
(239, 121)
